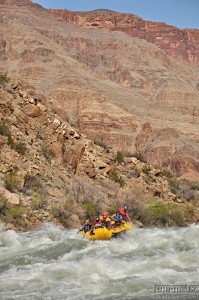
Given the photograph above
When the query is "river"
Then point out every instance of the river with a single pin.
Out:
(56, 264)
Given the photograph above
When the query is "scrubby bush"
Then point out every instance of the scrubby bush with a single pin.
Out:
(4, 78)
(136, 199)
(32, 181)
(134, 172)
(5, 128)
(17, 146)
(101, 144)
(182, 189)
(139, 156)
(10, 181)
(17, 211)
(112, 209)
(119, 157)
(113, 175)
(167, 213)
(63, 211)
(5, 131)
(20, 148)
(90, 210)
(167, 173)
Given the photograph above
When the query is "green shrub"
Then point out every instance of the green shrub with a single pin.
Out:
(167, 173)
(19, 147)
(5, 128)
(33, 182)
(10, 181)
(4, 77)
(101, 144)
(113, 175)
(139, 156)
(90, 210)
(167, 213)
(16, 212)
(120, 157)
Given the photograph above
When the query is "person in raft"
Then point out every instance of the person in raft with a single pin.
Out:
(87, 226)
(97, 222)
(117, 218)
(124, 212)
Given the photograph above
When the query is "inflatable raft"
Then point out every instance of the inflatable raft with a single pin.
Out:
(103, 233)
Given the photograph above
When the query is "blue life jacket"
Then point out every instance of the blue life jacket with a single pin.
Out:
(118, 218)
(87, 227)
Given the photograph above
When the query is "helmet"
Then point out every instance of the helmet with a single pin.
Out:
(108, 219)
(126, 206)
(87, 221)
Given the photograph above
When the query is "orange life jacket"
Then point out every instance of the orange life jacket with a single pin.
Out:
(106, 215)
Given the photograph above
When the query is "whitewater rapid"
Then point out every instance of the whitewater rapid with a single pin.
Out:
(56, 264)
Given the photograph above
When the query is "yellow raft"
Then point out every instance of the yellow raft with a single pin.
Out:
(104, 233)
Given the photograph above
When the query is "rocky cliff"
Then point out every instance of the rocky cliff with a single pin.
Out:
(105, 83)
(180, 44)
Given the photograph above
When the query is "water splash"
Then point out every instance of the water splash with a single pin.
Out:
(59, 264)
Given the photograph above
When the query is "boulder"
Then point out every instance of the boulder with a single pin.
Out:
(73, 221)
(13, 198)
(32, 110)
(90, 170)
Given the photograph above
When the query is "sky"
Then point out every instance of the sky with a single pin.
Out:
(180, 13)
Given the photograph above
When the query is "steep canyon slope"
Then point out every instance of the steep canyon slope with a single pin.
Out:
(113, 86)
(50, 171)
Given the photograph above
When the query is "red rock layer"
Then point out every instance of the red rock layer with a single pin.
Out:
(180, 44)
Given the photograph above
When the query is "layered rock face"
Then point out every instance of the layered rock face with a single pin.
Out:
(180, 44)
(56, 170)
(108, 84)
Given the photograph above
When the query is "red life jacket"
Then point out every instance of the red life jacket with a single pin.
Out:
(95, 222)
(122, 212)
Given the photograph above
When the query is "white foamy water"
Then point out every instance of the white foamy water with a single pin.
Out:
(55, 264)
